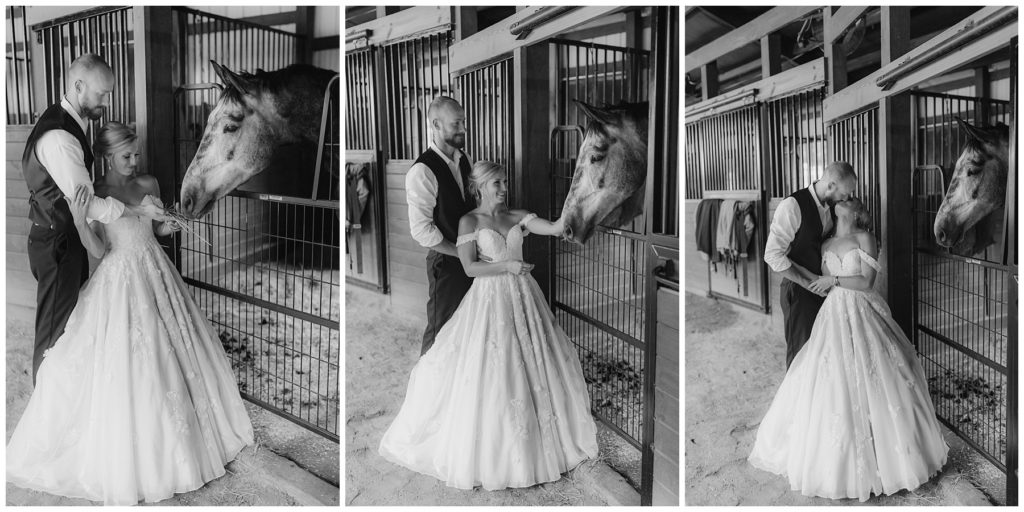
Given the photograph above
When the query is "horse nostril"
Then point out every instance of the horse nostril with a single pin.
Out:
(568, 232)
(942, 235)
(186, 203)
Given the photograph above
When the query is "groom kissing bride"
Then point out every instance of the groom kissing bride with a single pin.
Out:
(852, 416)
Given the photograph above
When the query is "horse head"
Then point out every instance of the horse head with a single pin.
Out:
(976, 190)
(254, 116)
(608, 183)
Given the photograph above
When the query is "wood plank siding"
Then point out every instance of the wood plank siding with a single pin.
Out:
(21, 286)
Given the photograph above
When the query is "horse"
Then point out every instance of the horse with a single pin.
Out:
(967, 220)
(255, 116)
(611, 167)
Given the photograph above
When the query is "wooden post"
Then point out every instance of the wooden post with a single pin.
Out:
(982, 81)
(154, 95)
(465, 21)
(304, 27)
(709, 80)
(835, 57)
(532, 68)
(894, 139)
(771, 55)
(895, 33)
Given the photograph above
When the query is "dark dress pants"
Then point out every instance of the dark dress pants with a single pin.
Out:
(448, 285)
(799, 309)
(60, 264)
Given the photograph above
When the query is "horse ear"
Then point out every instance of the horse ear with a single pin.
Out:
(600, 115)
(231, 78)
(979, 134)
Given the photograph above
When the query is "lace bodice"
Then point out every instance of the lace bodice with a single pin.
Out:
(849, 264)
(127, 233)
(492, 246)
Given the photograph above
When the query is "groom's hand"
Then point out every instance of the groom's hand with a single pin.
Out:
(821, 285)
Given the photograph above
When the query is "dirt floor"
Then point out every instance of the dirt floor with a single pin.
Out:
(288, 465)
(381, 349)
(735, 360)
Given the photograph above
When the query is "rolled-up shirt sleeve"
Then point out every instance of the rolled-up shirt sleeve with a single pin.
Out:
(781, 234)
(64, 160)
(421, 195)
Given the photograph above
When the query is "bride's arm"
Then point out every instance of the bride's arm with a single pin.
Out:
(539, 226)
(468, 256)
(152, 188)
(79, 205)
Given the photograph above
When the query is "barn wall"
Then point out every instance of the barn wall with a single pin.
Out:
(21, 286)
(666, 401)
(406, 258)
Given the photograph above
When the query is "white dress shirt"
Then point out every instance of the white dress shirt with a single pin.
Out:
(783, 229)
(421, 195)
(62, 156)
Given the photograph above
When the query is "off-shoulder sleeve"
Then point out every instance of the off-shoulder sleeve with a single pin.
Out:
(465, 239)
(873, 263)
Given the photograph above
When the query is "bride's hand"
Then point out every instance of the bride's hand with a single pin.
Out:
(821, 285)
(518, 267)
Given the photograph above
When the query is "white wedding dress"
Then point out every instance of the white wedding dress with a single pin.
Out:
(499, 400)
(853, 416)
(136, 400)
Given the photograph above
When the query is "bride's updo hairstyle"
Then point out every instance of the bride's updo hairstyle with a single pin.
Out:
(112, 136)
(862, 219)
(483, 171)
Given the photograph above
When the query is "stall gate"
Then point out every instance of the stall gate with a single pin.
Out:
(267, 267)
(597, 291)
(963, 311)
(486, 94)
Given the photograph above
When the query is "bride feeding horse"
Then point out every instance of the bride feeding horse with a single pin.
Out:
(254, 116)
(611, 168)
(969, 218)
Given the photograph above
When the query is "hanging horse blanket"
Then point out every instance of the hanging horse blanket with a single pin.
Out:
(707, 224)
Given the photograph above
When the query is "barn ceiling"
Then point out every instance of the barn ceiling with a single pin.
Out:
(801, 42)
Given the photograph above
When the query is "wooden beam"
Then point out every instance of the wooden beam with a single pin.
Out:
(835, 56)
(154, 94)
(771, 55)
(384, 11)
(841, 20)
(895, 160)
(275, 18)
(496, 40)
(326, 43)
(402, 24)
(866, 91)
(709, 80)
(304, 23)
(789, 81)
(465, 22)
(895, 33)
(750, 33)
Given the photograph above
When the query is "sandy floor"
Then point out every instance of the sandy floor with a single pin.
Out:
(380, 352)
(248, 481)
(735, 360)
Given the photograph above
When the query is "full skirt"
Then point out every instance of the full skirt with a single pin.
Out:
(853, 416)
(136, 400)
(499, 400)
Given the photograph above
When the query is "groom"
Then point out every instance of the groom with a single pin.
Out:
(797, 232)
(435, 188)
(57, 159)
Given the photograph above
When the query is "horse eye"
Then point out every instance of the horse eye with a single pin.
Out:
(971, 171)
(596, 158)
(230, 128)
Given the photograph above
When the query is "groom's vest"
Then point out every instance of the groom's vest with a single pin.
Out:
(46, 208)
(450, 206)
(805, 249)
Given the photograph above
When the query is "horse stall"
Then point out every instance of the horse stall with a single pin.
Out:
(617, 296)
(763, 120)
(264, 263)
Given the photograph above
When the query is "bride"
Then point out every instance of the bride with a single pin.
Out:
(500, 400)
(853, 416)
(136, 400)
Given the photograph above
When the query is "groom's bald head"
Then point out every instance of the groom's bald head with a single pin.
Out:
(89, 84)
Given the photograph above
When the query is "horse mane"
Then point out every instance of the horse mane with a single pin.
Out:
(278, 81)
